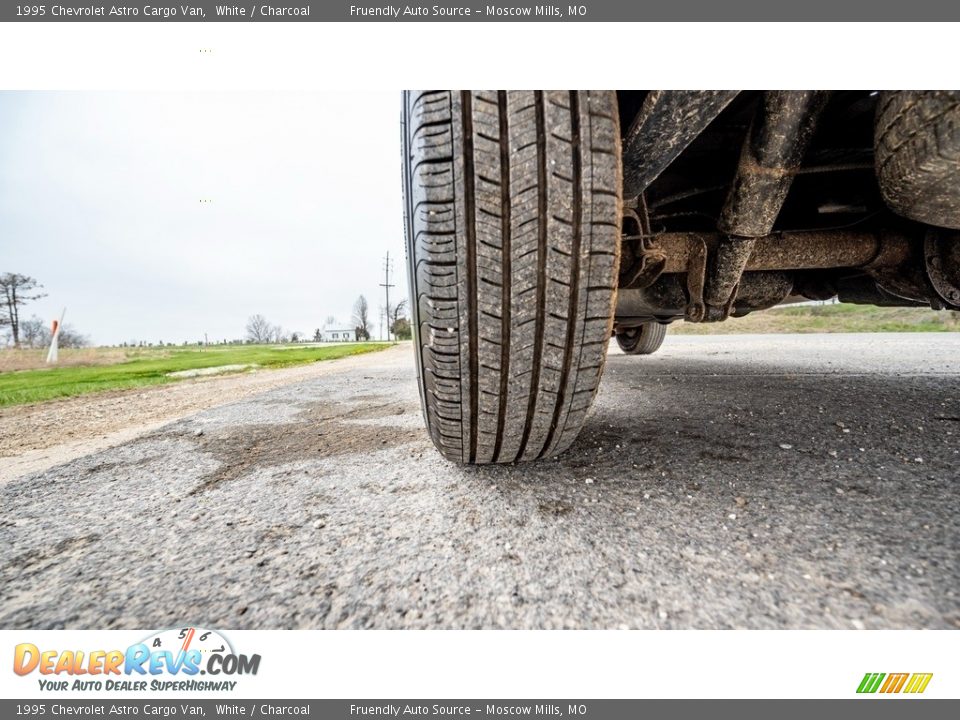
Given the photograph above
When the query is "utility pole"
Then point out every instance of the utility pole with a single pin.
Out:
(386, 287)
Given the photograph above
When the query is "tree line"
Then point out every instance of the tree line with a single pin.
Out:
(260, 330)
(17, 290)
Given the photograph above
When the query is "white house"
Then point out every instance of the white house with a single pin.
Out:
(338, 333)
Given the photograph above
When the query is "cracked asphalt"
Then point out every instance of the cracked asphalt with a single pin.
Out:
(779, 481)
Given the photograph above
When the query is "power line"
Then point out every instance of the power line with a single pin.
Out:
(386, 285)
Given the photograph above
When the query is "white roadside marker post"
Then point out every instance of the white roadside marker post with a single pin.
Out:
(54, 336)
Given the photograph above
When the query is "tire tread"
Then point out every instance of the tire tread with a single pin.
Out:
(917, 147)
(513, 242)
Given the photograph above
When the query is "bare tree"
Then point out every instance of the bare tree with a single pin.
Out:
(278, 335)
(34, 333)
(16, 290)
(259, 329)
(361, 318)
(68, 338)
(397, 311)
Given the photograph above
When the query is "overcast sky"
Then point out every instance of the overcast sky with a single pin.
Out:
(100, 200)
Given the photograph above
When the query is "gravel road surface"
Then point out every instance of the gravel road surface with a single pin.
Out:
(38, 436)
(792, 481)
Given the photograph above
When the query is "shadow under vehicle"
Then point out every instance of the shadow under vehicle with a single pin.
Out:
(541, 223)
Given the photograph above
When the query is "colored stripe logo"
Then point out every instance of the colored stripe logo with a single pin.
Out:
(913, 683)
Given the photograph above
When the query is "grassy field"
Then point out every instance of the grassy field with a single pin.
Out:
(24, 377)
(837, 318)
(95, 370)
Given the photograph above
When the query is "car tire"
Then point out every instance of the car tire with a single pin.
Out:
(642, 340)
(917, 148)
(513, 207)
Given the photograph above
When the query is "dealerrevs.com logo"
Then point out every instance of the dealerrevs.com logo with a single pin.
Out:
(889, 683)
(166, 660)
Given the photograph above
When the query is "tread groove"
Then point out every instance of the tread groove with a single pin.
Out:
(471, 247)
(505, 298)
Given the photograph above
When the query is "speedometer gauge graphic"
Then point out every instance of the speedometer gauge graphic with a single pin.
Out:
(183, 639)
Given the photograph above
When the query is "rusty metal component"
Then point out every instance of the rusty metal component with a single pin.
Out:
(668, 299)
(668, 121)
(758, 291)
(665, 300)
(729, 262)
(941, 255)
(865, 290)
(771, 156)
(795, 251)
(646, 266)
(890, 259)
(908, 282)
(696, 277)
(640, 263)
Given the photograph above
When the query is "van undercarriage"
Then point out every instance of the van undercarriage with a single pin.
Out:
(541, 223)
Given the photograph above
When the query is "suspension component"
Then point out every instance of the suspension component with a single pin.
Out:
(668, 121)
(771, 156)
(678, 291)
(941, 255)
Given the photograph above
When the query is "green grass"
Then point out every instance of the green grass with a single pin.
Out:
(836, 318)
(152, 367)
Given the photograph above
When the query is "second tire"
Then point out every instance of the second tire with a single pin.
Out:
(644, 339)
